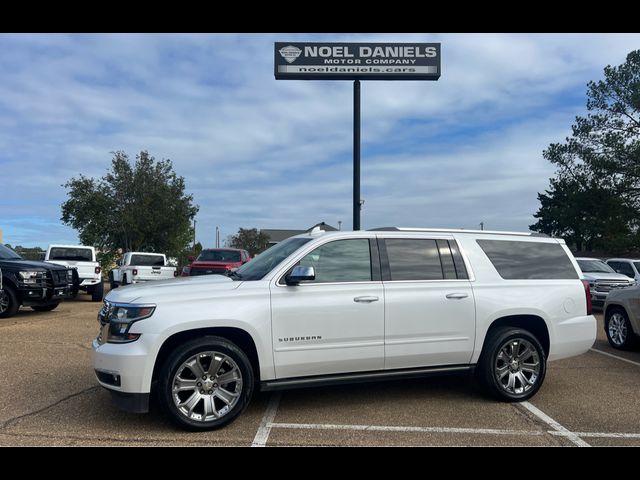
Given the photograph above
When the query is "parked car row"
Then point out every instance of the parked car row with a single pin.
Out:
(39, 285)
(64, 271)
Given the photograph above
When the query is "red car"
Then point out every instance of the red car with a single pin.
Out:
(216, 261)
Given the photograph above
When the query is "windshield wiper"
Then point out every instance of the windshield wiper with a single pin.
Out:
(236, 275)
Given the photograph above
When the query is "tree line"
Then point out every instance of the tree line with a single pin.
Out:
(593, 201)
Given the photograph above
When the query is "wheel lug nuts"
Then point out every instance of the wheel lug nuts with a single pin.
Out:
(199, 384)
(201, 391)
(210, 392)
(204, 377)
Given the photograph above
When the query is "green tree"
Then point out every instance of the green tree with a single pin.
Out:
(134, 207)
(250, 240)
(594, 199)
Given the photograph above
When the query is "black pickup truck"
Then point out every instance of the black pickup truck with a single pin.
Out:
(39, 285)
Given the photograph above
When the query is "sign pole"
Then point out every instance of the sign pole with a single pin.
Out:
(356, 155)
(356, 61)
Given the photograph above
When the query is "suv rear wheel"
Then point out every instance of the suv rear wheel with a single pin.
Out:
(205, 383)
(512, 365)
(619, 330)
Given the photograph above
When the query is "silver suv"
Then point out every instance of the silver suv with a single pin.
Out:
(602, 279)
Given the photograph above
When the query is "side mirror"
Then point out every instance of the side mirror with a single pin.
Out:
(299, 274)
(191, 259)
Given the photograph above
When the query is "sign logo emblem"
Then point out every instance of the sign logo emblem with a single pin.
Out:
(290, 53)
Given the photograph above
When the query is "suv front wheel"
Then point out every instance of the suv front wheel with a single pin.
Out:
(206, 383)
(512, 365)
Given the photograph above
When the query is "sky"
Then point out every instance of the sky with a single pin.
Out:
(265, 153)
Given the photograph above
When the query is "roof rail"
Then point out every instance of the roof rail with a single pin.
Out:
(457, 230)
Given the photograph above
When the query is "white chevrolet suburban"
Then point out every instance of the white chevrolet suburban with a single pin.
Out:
(323, 308)
(83, 260)
(139, 267)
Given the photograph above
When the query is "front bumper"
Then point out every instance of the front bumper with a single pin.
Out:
(33, 296)
(132, 364)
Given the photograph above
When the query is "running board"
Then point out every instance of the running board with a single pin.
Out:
(361, 377)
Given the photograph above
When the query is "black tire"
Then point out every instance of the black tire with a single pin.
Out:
(46, 308)
(112, 283)
(97, 292)
(10, 302)
(180, 355)
(625, 338)
(494, 343)
(124, 280)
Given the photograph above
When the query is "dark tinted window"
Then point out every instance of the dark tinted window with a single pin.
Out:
(625, 269)
(147, 261)
(76, 254)
(411, 259)
(340, 261)
(528, 260)
(8, 254)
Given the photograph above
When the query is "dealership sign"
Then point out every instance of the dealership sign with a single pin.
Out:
(357, 61)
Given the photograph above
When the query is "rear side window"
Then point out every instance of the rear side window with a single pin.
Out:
(411, 259)
(528, 260)
(147, 260)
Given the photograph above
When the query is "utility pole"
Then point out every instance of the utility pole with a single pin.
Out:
(339, 224)
(194, 235)
(481, 225)
(357, 205)
(217, 237)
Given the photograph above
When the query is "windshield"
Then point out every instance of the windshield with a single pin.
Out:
(78, 254)
(8, 254)
(257, 268)
(637, 265)
(595, 266)
(219, 256)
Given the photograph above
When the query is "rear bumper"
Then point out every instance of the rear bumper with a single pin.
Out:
(573, 337)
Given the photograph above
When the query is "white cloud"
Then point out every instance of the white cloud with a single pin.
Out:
(277, 154)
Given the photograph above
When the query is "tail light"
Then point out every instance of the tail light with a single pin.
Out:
(135, 271)
(98, 270)
(587, 293)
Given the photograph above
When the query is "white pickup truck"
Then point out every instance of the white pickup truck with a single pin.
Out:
(137, 267)
(83, 260)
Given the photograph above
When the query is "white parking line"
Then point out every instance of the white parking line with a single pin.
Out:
(262, 435)
(555, 425)
(387, 428)
(563, 432)
(615, 356)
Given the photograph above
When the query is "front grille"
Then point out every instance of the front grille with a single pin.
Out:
(607, 286)
(59, 278)
(208, 271)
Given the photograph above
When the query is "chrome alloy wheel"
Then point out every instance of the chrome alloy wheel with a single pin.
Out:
(517, 366)
(618, 329)
(4, 301)
(207, 386)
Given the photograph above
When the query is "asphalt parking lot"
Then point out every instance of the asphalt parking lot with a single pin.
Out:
(49, 397)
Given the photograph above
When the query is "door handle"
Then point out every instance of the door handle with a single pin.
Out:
(366, 299)
(457, 296)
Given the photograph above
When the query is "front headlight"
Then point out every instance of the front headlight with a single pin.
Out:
(31, 277)
(121, 317)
